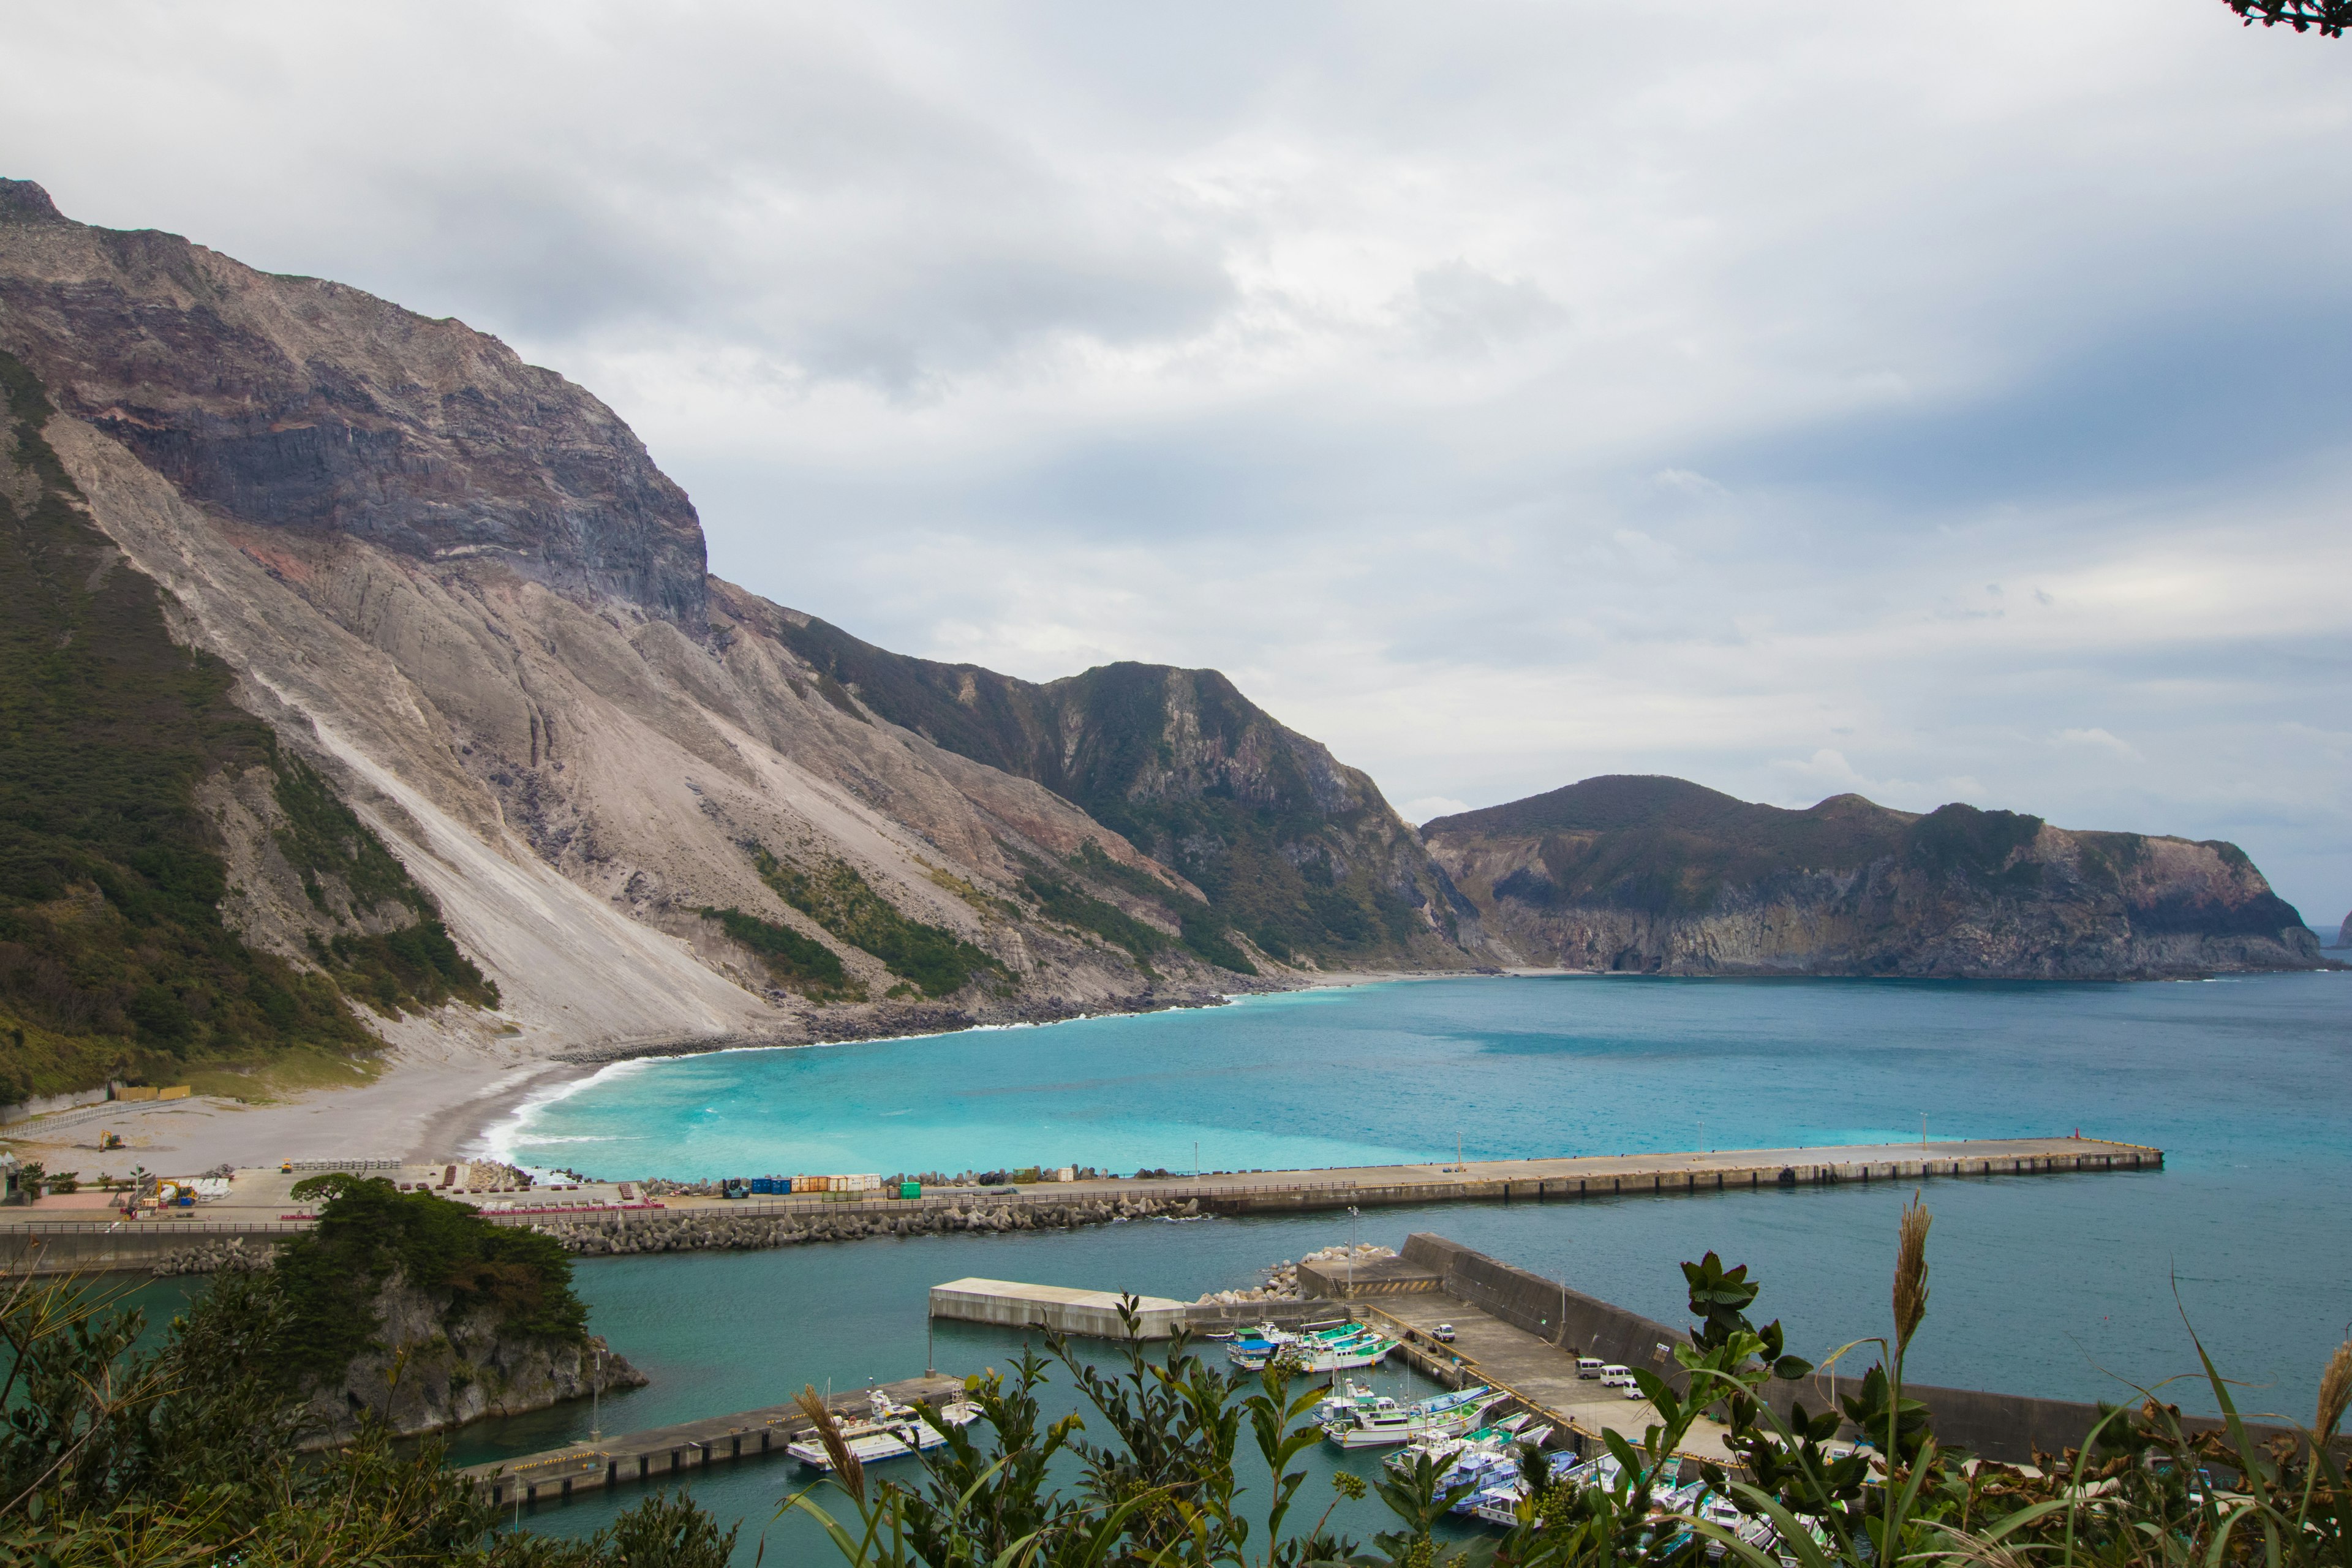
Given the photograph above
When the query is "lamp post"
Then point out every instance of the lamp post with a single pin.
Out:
(596, 1400)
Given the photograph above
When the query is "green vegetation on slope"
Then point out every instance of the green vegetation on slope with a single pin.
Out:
(809, 967)
(1238, 816)
(1204, 934)
(931, 958)
(187, 1455)
(114, 959)
(367, 1230)
(1666, 846)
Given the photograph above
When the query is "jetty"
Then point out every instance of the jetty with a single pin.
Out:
(671, 1453)
(1008, 1304)
(80, 1233)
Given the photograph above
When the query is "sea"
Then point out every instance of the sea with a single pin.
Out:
(2077, 1287)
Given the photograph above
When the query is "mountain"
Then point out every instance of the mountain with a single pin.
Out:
(471, 753)
(1288, 844)
(1660, 876)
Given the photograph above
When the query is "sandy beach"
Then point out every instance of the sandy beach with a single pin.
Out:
(436, 1099)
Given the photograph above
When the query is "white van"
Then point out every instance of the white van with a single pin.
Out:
(1615, 1376)
(1588, 1367)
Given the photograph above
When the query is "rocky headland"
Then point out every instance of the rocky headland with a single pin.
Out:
(1659, 875)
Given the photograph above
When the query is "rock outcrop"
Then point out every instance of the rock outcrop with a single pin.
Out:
(430, 1370)
(1660, 876)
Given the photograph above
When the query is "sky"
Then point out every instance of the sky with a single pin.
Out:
(1941, 402)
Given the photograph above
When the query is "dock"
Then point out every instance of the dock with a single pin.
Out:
(668, 1453)
(1008, 1304)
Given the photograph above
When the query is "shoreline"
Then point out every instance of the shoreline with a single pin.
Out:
(441, 1101)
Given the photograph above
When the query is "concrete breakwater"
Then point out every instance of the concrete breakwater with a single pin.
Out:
(622, 1233)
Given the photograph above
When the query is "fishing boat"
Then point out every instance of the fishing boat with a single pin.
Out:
(889, 1430)
(1335, 1349)
(1498, 1501)
(1344, 1400)
(1443, 1448)
(1386, 1422)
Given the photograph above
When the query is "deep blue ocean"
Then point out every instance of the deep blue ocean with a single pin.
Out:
(2062, 1286)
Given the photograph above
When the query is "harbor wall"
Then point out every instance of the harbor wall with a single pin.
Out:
(2008, 1427)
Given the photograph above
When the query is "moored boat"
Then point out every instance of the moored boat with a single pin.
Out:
(888, 1430)
(1386, 1422)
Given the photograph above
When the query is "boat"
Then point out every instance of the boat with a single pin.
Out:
(1443, 1448)
(1498, 1501)
(1386, 1422)
(1335, 1349)
(1344, 1399)
(889, 1430)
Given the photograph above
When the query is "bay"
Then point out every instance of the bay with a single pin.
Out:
(2072, 1287)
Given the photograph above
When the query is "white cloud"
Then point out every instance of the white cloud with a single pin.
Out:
(1503, 396)
(1429, 806)
(2095, 739)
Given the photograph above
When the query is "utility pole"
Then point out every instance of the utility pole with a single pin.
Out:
(596, 1402)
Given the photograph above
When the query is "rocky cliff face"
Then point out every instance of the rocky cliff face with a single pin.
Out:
(1658, 875)
(298, 404)
(645, 801)
(1288, 845)
(431, 1371)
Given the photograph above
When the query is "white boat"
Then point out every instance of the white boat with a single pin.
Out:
(1347, 1399)
(1385, 1421)
(1445, 1449)
(1333, 1349)
(1498, 1501)
(889, 1431)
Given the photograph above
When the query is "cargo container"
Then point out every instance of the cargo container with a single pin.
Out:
(911, 1189)
(812, 1183)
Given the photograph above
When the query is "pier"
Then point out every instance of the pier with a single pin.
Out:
(669, 1453)
(260, 1213)
(1008, 1304)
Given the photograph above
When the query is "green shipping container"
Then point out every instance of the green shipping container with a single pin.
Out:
(911, 1189)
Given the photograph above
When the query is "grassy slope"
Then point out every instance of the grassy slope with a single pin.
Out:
(113, 956)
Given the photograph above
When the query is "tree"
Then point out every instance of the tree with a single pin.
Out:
(2328, 17)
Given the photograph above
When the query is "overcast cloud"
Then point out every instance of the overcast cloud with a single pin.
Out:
(1936, 401)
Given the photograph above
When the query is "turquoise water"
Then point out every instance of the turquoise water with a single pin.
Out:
(2058, 1286)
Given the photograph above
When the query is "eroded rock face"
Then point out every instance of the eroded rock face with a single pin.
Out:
(297, 404)
(427, 1375)
(456, 586)
(1293, 848)
(1660, 876)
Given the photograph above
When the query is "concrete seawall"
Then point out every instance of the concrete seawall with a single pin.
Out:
(2009, 1427)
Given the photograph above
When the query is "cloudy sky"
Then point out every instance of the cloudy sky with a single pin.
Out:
(1939, 402)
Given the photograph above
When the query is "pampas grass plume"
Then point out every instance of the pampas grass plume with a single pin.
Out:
(845, 1467)
(2335, 1390)
(1911, 1273)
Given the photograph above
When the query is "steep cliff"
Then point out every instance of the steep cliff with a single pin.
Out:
(1660, 876)
(1286, 844)
(645, 801)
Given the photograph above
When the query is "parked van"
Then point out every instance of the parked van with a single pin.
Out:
(1615, 1376)
(1588, 1367)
